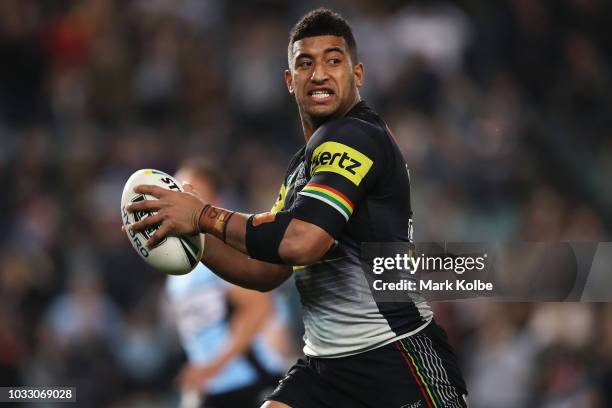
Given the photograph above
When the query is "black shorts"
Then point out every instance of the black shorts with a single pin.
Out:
(419, 371)
(251, 396)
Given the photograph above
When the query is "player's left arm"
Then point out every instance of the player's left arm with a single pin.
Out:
(341, 166)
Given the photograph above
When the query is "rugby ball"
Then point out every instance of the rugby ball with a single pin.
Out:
(174, 255)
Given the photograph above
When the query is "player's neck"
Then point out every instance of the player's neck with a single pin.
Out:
(310, 124)
(308, 128)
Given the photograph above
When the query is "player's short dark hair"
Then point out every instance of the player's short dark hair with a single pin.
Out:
(204, 168)
(323, 21)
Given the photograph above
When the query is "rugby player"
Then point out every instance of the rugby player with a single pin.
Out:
(230, 334)
(347, 185)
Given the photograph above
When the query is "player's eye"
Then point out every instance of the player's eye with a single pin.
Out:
(304, 64)
(335, 61)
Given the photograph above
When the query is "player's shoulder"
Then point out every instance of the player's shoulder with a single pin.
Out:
(361, 126)
(350, 132)
(347, 127)
(351, 122)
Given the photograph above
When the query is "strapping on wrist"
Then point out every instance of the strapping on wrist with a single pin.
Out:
(213, 220)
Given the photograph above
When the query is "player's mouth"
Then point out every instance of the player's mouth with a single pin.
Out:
(321, 95)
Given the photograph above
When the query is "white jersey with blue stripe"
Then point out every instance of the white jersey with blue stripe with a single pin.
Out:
(199, 302)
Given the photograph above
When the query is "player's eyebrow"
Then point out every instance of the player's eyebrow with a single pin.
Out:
(333, 49)
(326, 51)
(303, 55)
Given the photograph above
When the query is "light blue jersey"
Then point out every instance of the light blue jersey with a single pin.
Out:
(200, 307)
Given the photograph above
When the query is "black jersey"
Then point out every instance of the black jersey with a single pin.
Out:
(351, 180)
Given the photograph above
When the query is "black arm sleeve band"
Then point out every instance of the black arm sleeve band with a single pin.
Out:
(263, 240)
(320, 214)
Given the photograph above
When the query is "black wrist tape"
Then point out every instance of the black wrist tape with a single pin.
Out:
(263, 239)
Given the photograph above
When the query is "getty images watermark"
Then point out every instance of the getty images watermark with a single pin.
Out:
(526, 271)
(426, 263)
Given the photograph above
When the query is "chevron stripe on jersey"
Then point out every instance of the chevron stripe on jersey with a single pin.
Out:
(329, 196)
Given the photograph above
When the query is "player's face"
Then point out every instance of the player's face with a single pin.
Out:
(323, 78)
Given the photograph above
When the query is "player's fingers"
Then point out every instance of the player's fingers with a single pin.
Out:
(155, 191)
(158, 236)
(145, 205)
(146, 222)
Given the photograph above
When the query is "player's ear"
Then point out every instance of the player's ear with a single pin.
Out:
(359, 72)
(289, 81)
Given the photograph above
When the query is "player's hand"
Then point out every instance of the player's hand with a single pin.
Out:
(192, 377)
(177, 213)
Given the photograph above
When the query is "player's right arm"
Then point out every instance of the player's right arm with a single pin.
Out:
(239, 269)
(342, 162)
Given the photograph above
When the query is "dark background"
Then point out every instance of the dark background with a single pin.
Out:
(502, 109)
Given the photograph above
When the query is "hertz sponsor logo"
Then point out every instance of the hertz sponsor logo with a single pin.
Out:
(341, 159)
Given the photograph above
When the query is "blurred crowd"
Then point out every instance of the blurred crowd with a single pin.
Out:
(502, 109)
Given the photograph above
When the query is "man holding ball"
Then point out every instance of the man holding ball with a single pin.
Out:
(346, 186)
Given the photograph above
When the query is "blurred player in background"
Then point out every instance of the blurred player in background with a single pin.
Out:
(348, 185)
(231, 335)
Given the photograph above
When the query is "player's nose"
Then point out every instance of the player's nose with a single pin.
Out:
(319, 74)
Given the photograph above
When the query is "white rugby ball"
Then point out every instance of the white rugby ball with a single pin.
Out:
(174, 255)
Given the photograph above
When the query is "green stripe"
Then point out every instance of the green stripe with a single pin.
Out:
(432, 390)
(416, 367)
(330, 198)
